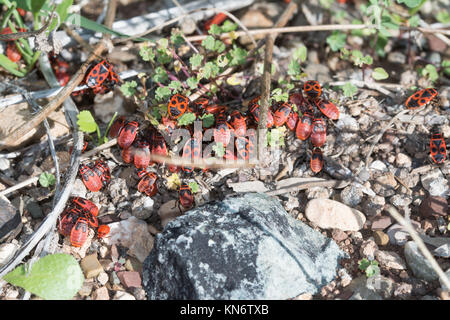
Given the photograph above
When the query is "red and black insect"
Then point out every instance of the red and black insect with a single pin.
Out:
(177, 105)
(201, 104)
(312, 89)
(147, 184)
(102, 170)
(90, 178)
(128, 154)
(83, 150)
(223, 130)
(304, 126)
(420, 98)
(297, 99)
(102, 231)
(244, 147)
(68, 219)
(238, 122)
(318, 133)
(316, 160)
(141, 154)
(438, 149)
(85, 205)
(128, 134)
(215, 109)
(117, 127)
(185, 195)
(255, 110)
(159, 144)
(281, 114)
(328, 109)
(98, 74)
(292, 120)
(79, 232)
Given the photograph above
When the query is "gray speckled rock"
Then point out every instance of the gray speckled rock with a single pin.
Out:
(10, 222)
(418, 264)
(245, 247)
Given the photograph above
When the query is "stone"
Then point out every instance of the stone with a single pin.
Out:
(402, 160)
(78, 189)
(330, 214)
(103, 250)
(78, 252)
(376, 287)
(442, 251)
(435, 183)
(338, 235)
(86, 289)
(248, 186)
(122, 295)
(102, 278)
(133, 234)
(378, 165)
(33, 208)
(10, 220)
(91, 266)
(400, 201)
(444, 295)
(403, 290)
(7, 251)
(304, 296)
(420, 266)
(368, 249)
(373, 205)
(318, 193)
(139, 293)
(433, 206)
(390, 259)
(101, 294)
(244, 247)
(351, 195)
(380, 238)
(396, 57)
(397, 235)
(130, 279)
(381, 222)
(142, 207)
(168, 212)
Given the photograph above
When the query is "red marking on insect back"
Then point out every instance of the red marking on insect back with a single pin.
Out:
(185, 196)
(147, 184)
(67, 220)
(245, 148)
(316, 160)
(304, 126)
(319, 133)
(238, 122)
(85, 205)
(177, 105)
(281, 114)
(328, 109)
(312, 89)
(128, 134)
(98, 74)
(438, 149)
(420, 98)
(103, 230)
(217, 19)
(117, 127)
(159, 145)
(223, 130)
(292, 120)
(90, 179)
(255, 110)
(102, 170)
(79, 232)
(13, 53)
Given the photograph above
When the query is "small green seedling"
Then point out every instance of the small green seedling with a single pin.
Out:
(86, 123)
(371, 268)
(47, 179)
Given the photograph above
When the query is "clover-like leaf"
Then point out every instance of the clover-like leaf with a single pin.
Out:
(219, 149)
(379, 74)
(53, 277)
(186, 119)
(128, 88)
(86, 122)
(349, 89)
(47, 179)
(194, 186)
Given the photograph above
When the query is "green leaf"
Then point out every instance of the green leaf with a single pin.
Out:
(210, 70)
(10, 66)
(373, 269)
(175, 86)
(47, 179)
(363, 264)
(207, 120)
(186, 119)
(194, 186)
(414, 21)
(63, 11)
(208, 43)
(336, 40)
(222, 60)
(30, 5)
(237, 56)
(160, 75)
(300, 53)
(443, 16)
(294, 68)
(86, 122)
(275, 137)
(162, 93)
(147, 53)
(215, 30)
(162, 43)
(85, 23)
(229, 26)
(128, 88)
(379, 74)
(219, 149)
(53, 277)
(192, 82)
(430, 72)
(349, 89)
(196, 60)
(446, 66)
(176, 36)
(163, 56)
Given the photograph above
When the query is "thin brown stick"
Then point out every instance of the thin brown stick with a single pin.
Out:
(110, 15)
(53, 104)
(338, 184)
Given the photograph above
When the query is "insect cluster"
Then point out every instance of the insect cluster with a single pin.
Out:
(96, 175)
(76, 220)
(438, 149)
(100, 78)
